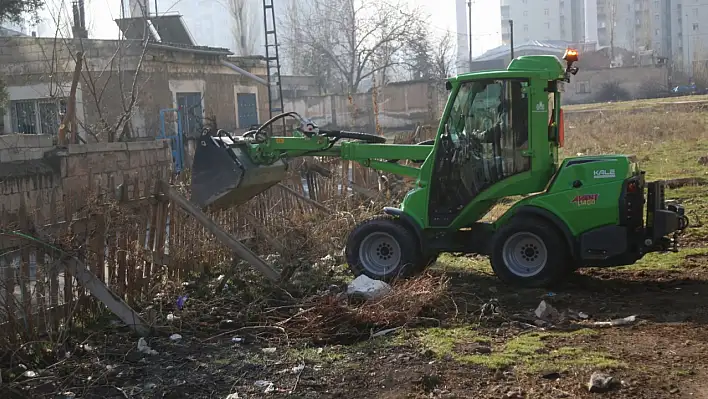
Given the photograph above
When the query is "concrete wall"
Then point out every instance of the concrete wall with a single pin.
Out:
(24, 173)
(400, 107)
(46, 177)
(586, 85)
(41, 69)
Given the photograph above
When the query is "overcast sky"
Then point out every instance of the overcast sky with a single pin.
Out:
(101, 13)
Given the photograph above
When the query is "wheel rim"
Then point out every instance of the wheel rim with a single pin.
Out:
(525, 254)
(379, 253)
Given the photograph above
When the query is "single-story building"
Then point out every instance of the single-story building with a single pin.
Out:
(130, 88)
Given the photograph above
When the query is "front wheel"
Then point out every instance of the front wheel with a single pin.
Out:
(529, 252)
(383, 248)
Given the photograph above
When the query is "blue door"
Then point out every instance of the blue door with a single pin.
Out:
(247, 110)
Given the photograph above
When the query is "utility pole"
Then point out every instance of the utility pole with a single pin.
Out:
(469, 32)
(511, 35)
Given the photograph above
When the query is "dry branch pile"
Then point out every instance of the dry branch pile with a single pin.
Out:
(337, 318)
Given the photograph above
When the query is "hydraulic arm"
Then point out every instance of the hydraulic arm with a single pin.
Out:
(228, 170)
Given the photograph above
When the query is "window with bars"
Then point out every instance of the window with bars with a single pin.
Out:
(41, 116)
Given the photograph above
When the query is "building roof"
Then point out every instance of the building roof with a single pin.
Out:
(552, 46)
(165, 31)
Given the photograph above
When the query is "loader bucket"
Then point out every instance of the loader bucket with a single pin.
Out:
(223, 175)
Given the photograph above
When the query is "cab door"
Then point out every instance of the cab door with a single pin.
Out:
(483, 143)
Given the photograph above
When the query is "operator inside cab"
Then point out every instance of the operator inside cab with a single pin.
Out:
(487, 132)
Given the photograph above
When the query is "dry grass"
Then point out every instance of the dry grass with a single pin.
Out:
(631, 133)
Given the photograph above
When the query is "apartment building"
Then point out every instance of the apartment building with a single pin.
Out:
(543, 20)
(674, 29)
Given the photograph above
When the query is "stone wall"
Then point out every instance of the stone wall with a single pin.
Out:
(25, 174)
(46, 177)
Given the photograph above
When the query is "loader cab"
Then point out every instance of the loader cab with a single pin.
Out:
(486, 149)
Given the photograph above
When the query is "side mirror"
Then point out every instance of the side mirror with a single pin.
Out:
(448, 85)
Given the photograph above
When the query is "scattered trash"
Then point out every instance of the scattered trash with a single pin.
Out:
(554, 375)
(181, 300)
(368, 288)
(236, 340)
(583, 315)
(227, 323)
(268, 350)
(546, 312)
(232, 396)
(384, 332)
(298, 369)
(269, 387)
(490, 309)
(144, 348)
(150, 386)
(175, 337)
(171, 317)
(616, 322)
(600, 382)
(29, 374)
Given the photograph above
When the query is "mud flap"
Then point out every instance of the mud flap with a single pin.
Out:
(223, 175)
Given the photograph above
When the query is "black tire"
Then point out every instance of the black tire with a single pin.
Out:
(527, 238)
(389, 236)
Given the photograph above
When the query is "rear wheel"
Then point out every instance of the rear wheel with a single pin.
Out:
(529, 252)
(384, 248)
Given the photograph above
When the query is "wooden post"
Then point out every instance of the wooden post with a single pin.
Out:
(241, 250)
(99, 290)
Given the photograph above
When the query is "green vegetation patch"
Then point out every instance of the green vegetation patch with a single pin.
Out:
(529, 352)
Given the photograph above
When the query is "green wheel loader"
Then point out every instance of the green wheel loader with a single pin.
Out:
(498, 137)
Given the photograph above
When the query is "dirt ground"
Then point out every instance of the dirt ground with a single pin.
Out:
(479, 340)
(486, 348)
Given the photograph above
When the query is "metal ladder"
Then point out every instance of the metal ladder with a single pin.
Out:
(275, 103)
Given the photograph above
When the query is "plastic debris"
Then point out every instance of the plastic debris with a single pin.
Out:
(175, 337)
(268, 350)
(546, 312)
(269, 387)
(616, 322)
(368, 288)
(144, 348)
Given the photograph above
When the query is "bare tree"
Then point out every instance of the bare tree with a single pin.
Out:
(430, 56)
(15, 10)
(352, 40)
(110, 87)
(245, 26)
(444, 56)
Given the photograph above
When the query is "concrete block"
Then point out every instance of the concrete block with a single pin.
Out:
(33, 153)
(147, 145)
(77, 165)
(73, 149)
(137, 159)
(108, 147)
(13, 141)
(11, 155)
(45, 140)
